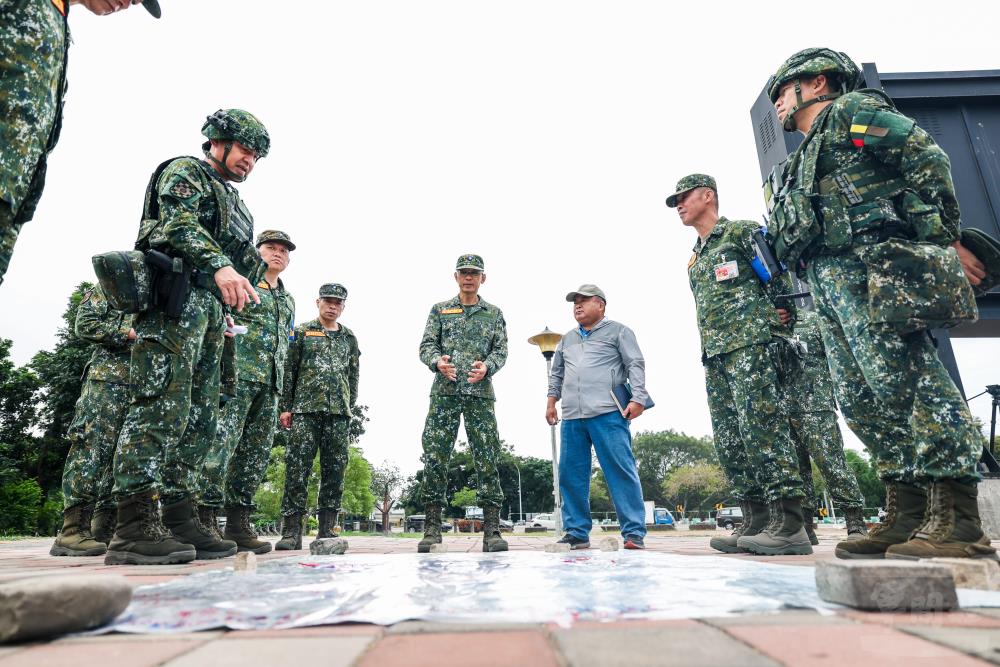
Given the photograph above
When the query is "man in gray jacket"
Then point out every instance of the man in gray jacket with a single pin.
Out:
(589, 363)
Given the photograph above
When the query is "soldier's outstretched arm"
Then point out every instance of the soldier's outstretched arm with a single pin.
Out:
(97, 322)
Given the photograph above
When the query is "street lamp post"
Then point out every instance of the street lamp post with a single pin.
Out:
(520, 507)
(547, 342)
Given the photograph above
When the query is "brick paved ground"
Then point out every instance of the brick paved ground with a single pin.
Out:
(848, 638)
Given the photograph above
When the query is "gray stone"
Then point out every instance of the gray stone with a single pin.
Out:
(441, 548)
(980, 642)
(702, 526)
(49, 606)
(886, 585)
(245, 562)
(980, 573)
(557, 547)
(989, 507)
(608, 544)
(328, 546)
(660, 527)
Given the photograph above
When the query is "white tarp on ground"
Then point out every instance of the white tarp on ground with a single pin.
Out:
(518, 586)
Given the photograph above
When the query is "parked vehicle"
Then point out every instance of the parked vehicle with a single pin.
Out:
(415, 524)
(547, 521)
(662, 517)
(729, 517)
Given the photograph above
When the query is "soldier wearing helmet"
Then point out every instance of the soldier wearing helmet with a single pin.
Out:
(196, 217)
(865, 209)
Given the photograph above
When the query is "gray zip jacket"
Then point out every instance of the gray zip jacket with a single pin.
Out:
(584, 370)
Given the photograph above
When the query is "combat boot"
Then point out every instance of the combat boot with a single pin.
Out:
(75, 539)
(240, 530)
(102, 524)
(291, 533)
(141, 539)
(181, 518)
(784, 534)
(492, 540)
(855, 520)
(209, 517)
(432, 529)
(904, 512)
(754, 520)
(808, 514)
(327, 520)
(951, 527)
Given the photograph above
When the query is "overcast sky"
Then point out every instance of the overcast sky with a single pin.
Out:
(541, 135)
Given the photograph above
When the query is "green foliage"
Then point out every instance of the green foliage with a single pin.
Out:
(600, 497)
(386, 484)
(19, 389)
(872, 487)
(463, 498)
(659, 453)
(697, 486)
(358, 497)
(21, 502)
(50, 516)
(268, 496)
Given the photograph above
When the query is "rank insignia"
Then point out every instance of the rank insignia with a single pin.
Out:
(263, 285)
(60, 6)
(310, 334)
(694, 258)
(452, 311)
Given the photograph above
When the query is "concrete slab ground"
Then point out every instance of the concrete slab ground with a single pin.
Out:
(792, 637)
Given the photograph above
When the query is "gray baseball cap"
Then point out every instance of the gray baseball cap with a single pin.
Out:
(587, 290)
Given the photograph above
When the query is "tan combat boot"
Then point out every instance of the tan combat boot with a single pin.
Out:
(75, 539)
(291, 533)
(432, 529)
(492, 540)
(754, 520)
(784, 535)
(854, 518)
(808, 514)
(141, 539)
(240, 530)
(904, 506)
(951, 527)
(181, 518)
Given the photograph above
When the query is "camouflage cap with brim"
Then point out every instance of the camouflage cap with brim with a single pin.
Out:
(333, 291)
(587, 289)
(690, 182)
(274, 236)
(470, 262)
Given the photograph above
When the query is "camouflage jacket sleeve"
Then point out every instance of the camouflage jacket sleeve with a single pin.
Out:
(291, 378)
(430, 344)
(97, 322)
(354, 371)
(185, 194)
(497, 357)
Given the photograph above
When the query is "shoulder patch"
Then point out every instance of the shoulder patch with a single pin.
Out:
(182, 190)
(452, 311)
(870, 127)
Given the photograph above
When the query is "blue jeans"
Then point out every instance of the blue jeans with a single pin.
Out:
(609, 434)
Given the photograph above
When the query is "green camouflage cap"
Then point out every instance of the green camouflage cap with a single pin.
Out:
(276, 236)
(690, 182)
(333, 291)
(238, 125)
(470, 262)
(587, 290)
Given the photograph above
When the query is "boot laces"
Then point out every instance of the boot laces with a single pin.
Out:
(939, 522)
(890, 512)
(149, 518)
(245, 524)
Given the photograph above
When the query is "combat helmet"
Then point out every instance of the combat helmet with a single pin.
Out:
(813, 62)
(235, 125)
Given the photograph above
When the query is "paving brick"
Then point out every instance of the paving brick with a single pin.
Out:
(886, 585)
(419, 627)
(342, 629)
(954, 619)
(980, 642)
(837, 646)
(330, 651)
(985, 611)
(106, 654)
(685, 644)
(119, 637)
(980, 573)
(471, 649)
(787, 617)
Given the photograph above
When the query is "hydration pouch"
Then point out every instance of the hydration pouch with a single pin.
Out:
(795, 226)
(924, 219)
(126, 279)
(914, 286)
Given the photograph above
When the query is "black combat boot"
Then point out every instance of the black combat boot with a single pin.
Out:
(240, 530)
(808, 514)
(102, 524)
(754, 520)
(209, 517)
(951, 527)
(75, 539)
(432, 529)
(141, 539)
(291, 533)
(784, 534)
(904, 512)
(854, 517)
(492, 540)
(181, 518)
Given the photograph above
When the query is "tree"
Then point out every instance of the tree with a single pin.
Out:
(358, 498)
(696, 486)
(600, 496)
(659, 453)
(19, 389)
(386, 484)
(463, 498)
(872, 488)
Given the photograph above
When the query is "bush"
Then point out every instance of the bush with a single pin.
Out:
(20, 503)
(50, 515)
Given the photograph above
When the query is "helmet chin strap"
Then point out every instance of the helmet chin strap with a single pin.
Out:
(222, 165)
(789, 123)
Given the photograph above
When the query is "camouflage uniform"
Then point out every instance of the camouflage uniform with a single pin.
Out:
(743, 344)
(100, 410)
(321, 391)
(467, 334)
(247, 421)
(34, 40)
(815, 431)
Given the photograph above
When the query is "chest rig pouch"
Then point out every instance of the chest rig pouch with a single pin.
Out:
(235, 234)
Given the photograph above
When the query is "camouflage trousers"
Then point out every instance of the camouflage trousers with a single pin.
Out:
(236, 467)
(312, 431)
(87, 474)
(750, 424)
(9, 231)
(440, 432)
(172, 422)
(893, 389)
(817, 437)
